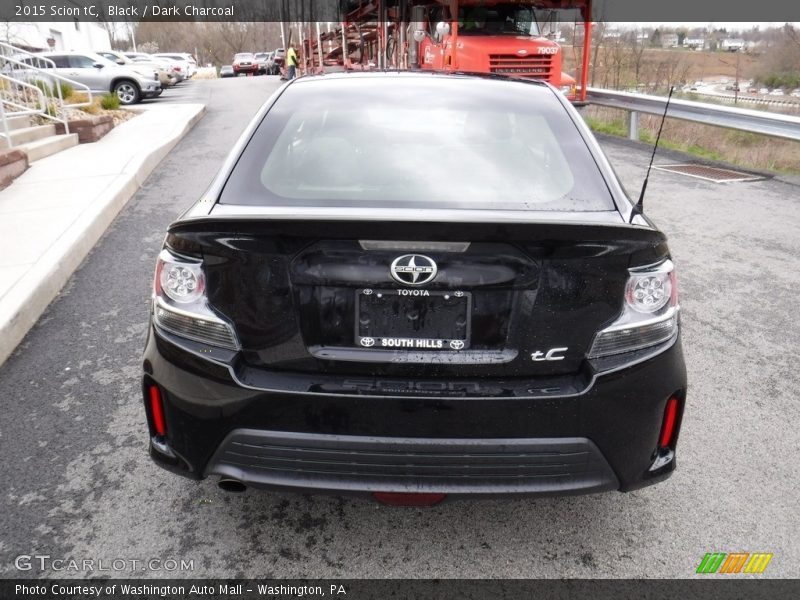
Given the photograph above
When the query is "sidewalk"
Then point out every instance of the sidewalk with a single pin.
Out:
(54, 214)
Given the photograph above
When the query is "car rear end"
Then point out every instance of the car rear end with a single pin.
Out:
(185, 64)
(165, 73)
(280, 58)
(146, 76)
(244, 63)
(272, 68)
(172, 68)
(178, 66)
(191, 64)
(262, 63)
(416, 294)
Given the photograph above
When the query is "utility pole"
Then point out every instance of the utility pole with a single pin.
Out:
(283, 27)
(736, 83)
(319, 46)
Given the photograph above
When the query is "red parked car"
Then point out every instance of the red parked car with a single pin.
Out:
(244, 62)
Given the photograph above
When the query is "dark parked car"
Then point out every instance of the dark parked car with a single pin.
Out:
(226, 71)
(263, 63)
(415, 285)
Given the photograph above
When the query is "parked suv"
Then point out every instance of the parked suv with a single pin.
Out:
(186, 60)
(172, 66)
(130, 84)
(165, 75)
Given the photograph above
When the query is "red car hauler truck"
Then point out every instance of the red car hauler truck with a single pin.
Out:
(479, 36)
(500, 37)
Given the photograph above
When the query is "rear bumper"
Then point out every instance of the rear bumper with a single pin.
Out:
(603, 437)
(326, 462)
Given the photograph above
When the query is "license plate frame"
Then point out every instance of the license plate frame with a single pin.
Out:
(460, 302)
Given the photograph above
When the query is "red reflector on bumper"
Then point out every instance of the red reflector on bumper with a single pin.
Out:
(405, 499)
(157, 410)
(668, 427)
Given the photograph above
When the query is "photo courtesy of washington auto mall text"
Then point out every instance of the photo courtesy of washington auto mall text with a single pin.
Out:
(110, 589)
(399, 299)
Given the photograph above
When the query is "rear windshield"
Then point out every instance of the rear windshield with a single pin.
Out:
(426, 142)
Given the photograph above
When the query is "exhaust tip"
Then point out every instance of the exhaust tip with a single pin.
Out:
(233, 486)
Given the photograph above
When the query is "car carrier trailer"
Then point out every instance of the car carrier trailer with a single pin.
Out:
(479, 36)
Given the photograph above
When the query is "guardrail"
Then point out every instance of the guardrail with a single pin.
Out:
(744, 98)
(744, 119)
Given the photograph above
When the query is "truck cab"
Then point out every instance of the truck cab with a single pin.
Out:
(491, 37)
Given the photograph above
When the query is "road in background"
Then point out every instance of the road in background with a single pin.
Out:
(78, 482)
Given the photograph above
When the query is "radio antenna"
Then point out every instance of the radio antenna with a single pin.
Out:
(639, 208)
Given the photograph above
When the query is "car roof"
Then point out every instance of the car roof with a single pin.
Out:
(90, 54)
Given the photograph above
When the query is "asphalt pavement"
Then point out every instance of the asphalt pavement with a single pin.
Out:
(77, 481)
(55, 212)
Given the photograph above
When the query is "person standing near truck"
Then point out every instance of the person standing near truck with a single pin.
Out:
(291, 62)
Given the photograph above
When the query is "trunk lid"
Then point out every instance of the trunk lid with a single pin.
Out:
(299, 292)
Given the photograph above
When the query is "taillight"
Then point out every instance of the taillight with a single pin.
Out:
(180, 305)
(157, 411)
(649, 316)
(182, 282)
(650, 291)
(673, 279)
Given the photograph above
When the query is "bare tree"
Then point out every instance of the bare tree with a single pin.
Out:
(597, 42)
(778, 64)
(616, 62)
(669, 71)
(636, 47)
(214, 41)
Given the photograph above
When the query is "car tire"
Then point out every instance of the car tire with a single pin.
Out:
(127, 91)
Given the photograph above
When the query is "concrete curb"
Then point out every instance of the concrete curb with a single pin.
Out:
(27, 300)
